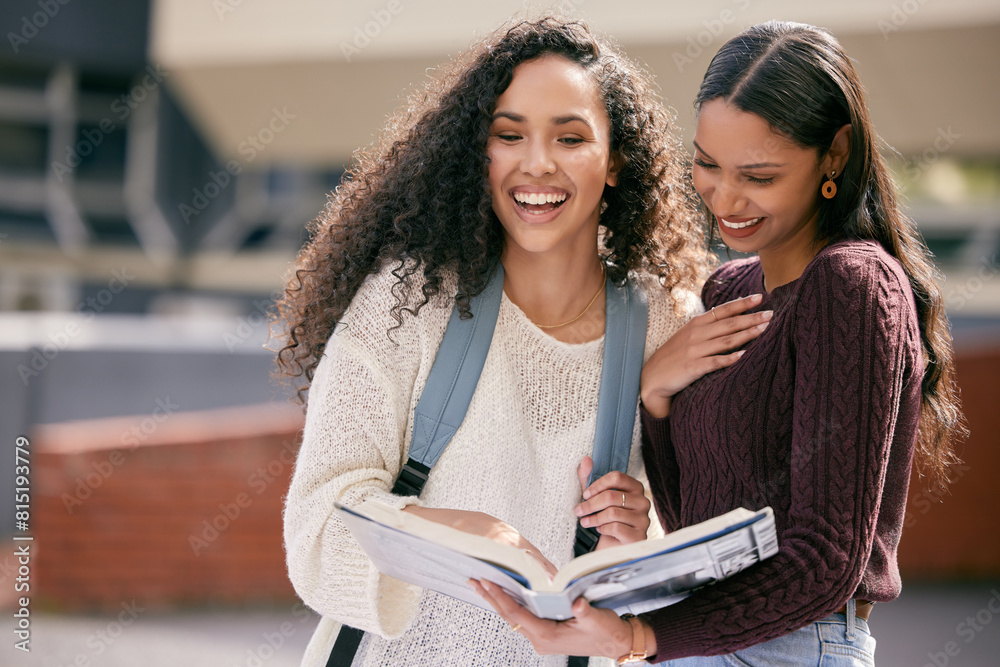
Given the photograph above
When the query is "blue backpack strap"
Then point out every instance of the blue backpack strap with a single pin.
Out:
(450, 385)
(621, 370)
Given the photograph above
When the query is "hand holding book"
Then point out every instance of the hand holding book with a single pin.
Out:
(484, 525)
(614, 504)
(591, 631)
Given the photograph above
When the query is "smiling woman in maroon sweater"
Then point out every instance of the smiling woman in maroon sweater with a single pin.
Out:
(817, 420)
(819, 417)
(821, 369)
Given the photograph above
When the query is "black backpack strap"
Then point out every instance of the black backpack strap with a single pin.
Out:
(346, 647)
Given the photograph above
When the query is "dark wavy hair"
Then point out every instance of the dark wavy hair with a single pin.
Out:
(421, 199)
(798, 78)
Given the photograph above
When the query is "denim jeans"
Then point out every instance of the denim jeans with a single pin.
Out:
(839, 640)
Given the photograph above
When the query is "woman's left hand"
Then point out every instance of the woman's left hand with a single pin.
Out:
(593, 632)
(615, 505)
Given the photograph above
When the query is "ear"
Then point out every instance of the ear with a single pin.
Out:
(840, 150)
(613, 168)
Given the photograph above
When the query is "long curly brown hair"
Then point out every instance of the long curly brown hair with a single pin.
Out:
(420, 199)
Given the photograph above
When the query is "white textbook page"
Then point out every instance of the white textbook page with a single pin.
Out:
(427, 564)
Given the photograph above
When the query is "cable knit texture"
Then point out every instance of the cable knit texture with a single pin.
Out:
(818, 419)
(530, 422)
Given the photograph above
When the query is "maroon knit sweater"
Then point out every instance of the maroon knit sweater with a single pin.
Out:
(818, 419)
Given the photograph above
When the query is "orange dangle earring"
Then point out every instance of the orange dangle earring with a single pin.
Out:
(830, 188)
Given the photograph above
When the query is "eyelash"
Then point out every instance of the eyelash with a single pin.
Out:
(510, 137)
(753, 179)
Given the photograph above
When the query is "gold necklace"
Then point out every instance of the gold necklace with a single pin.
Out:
(604, 274)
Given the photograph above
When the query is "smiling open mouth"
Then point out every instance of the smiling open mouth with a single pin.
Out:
(536, 202)
(741, 224)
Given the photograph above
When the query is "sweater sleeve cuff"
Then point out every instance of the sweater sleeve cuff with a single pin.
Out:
(357, 495)
(678, 634)
(394, 501)
(657, 428)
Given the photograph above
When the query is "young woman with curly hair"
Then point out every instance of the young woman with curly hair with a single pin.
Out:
(821, 415)
(543, 149)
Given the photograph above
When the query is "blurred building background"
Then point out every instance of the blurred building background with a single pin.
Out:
(159, 161)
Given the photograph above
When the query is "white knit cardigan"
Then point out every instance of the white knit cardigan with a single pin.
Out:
(515, 456)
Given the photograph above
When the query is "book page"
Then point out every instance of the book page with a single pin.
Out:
(675, 571)
(679, 539)
(423, 562)
(507, 557)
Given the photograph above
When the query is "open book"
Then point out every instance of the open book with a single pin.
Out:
(632, 578)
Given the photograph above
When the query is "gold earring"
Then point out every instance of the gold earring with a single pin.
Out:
(830, 188)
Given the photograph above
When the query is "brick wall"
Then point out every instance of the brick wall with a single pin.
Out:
(956, 536)
(169, 509)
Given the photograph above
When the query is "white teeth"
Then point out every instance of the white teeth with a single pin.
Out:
(539, 198)
(739, 225)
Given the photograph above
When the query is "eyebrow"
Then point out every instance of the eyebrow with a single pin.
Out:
(556, 120)
(756, 165)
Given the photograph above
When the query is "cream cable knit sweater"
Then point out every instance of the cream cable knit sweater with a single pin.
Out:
(515, 457)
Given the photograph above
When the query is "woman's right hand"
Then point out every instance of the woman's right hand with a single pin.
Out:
(699, 347)
(484, 525)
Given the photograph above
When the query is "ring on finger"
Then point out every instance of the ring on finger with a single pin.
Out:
(516, 627)
(714, 315)
(623, 500)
